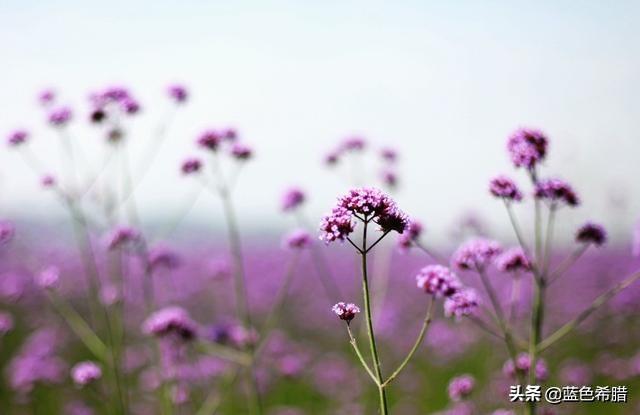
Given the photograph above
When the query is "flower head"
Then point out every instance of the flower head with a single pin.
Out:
(241, 151)
(476, 254)
(17, 138)
(411, 235)
(438, 281)
(6, 323)
(366, 202)
(163, 257)
(123, 236)
(393, 220)
(460, 387)
(591, 233)
(332, 158)
(463, 302)
(178, 93)
(85, 373)
(337, 226)
(389, 178)
(556, 191)
(46, 96)
(48, 278)
(292, 198)
(389, 154)
(354, 143)
(297, 239)
(170, 320)
(130, 106)
(59, 117)
(48, 180)
(191, 165)
(345, 312)
(523, 365)
(527, 147)
(513, 260)
(7, 232)
(209, 139)
(505, 188)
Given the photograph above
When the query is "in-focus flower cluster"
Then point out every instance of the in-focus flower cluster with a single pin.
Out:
(476, 254)
(345, 311)
(527, 147)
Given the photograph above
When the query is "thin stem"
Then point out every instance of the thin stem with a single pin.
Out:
(355, 246)
(430, 253)
(548, 239)
(363, 362)
(416, 345)
(516, 228)
(567, 263)
(385, 233)
(597, 303)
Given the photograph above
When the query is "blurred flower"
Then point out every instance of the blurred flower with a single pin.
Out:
(297, 239)
(331, 158)
(170, 320)
(292, 199)
(556, 191)
(130, 106)
(162, 256)
(241, 151)
(476, 254)
(191, 165)
(389, 178)
(345, 312)
(84, 373)
(527, 147)
(178, 93)
(523, 365)
(513, 260)
(123, 236)
(48, 278)
(503, 412)
(109, 294)
(591, 233)
(210, 140)
(353, 144)
(6, 323)
(460, 387)
(7, 232)
(46, 96)
(411, 235)
(438, 281)
(505, 188)
(389, 154)
(17, 138)
(48, 180)
(59, 117)
(463, 302)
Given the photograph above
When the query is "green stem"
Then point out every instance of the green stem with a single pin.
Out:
(363, 362)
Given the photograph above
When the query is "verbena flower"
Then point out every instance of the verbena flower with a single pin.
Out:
(191, 165)
(6, 323)
(345, 311)
(46, 96)
(505, 188)
(297, 239)
(337, 226)
(209, 139)
(523, 365)
(17, 138)
(292, 199)
(438, 281)
(591, 233)
(7, 232)
(48, 278)
(331, 158)
(389, 178)
(460, 387)
(84, 373)
(48, 180)
(410, 235)
(178, 93)
(130, 106)
(513, 260)
(123, 236)
(556, 191)
(354, 143)
(163, 257)
(59, 117)
(527, 147)
(463, 302)
(389, 154)
(393, 220)
(241, 151)
(476, 254)
(170, 320)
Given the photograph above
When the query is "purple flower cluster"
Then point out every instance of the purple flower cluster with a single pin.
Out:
(527, 147)
(59, 117)
(438, 281)
(476, 254)
(297, 239)
(6, 323)
(460, 387)
(178, 93)
(7, 232)
(345, 312)
(292, 199)
(505, 188)
(411, 235)
(168, 321)
(111, 98)
(337, 226)
(513, 260)
(591, 233)
(84, 373)
(463, 302)
(163, 257)
(48, 278)
(17, 138)
(191, 165)
(123, 236)
(556, 191)
(523, 365)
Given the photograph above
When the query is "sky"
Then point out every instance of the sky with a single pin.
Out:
(443, 82)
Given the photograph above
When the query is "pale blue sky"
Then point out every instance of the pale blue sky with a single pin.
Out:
(445, 82)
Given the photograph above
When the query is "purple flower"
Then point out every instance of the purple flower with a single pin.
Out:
(463, 302)
(109, 294)
(210, 140)
(191, 165)
(48, 278)
(505, 188)
(178, 93)
(6, 323)
(393, 219)
(476, 254)
(7, 232)
(556, 191)
(366, 202)
(337, 226)
(46, 96)
(130, 106)
(460, 387)
(412, 234)
(331, 158)
(292, 199)
(48, 180)
(345, 312)
(229, 134)
(527, 147)
(170, 320)
(297, 239)
(241, 151)
(353, 144)
(59, 117)
(523, 365)
(513, 260)
(162, 256)
(389, 178)
(17, 138)
(389, 154)
(84, 373)
(123, 236)
(591, 233)
(438, 281)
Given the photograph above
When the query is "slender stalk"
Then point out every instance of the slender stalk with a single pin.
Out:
(363, 362)
(416, 345)
(567, 263)
(369, 320)
(430, 253)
